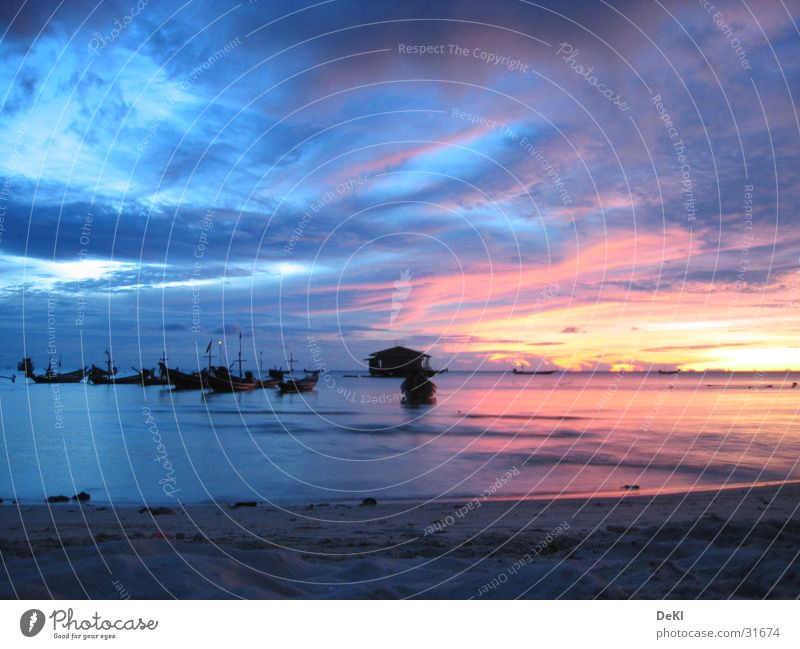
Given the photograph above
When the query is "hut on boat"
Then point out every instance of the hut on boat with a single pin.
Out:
(399, 361)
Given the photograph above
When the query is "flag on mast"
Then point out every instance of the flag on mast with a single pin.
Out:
(208, 349)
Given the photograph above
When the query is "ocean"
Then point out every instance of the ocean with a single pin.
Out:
(490, 435)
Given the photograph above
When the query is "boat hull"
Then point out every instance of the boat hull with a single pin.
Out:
(183, 381)
(58, 378)
(127, 380)
(294, 386)
(222, 381)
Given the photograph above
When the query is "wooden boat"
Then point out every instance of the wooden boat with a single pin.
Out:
(417, 388)
(290, 384)
(532, 372)
(197, 380)
(141, 377)
(274, 377)
(51, 376)
(306, 384)
(108, 376)
(221, 380)
(183, 380)
(100, 376)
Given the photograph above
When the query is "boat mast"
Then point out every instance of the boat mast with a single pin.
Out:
(240, 354)
(108, 363)
(210, 355)
(163, 371)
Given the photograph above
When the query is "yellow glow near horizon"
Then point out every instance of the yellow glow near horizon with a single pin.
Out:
(765, 359)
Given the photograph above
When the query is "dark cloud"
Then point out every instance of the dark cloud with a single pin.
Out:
(198, 163)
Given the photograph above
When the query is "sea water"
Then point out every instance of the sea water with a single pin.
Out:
(490, 435)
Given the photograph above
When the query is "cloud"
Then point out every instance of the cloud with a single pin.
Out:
(196, 165)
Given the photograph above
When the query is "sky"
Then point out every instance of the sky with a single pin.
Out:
(586, 186)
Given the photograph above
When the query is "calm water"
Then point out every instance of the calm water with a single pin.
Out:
(560, 434)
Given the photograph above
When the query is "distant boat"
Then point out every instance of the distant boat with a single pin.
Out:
(221, 380)
(144, 377)
(668, 371)
(274, 377)
(50, 376)
(516, 371)
(100, 376)
(183, 380)
(306, 384)
(417, 388)
(187, 380)
(290, 384)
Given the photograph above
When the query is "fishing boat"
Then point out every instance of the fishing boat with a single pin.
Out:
(220, 379)
(150, 377)
(197, 380)
(51, 375)
(100, 376)
(532, 372)
(274, 376)
(291, 384)
(417, 389)
(305, 384)
(143, 377)
(183, 380)
(108, 376)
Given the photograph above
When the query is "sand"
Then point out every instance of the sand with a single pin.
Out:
(739, 543)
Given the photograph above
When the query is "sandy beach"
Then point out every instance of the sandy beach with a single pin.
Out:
(738, 542)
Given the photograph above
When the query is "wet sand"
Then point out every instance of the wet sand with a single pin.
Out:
(716, 544)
